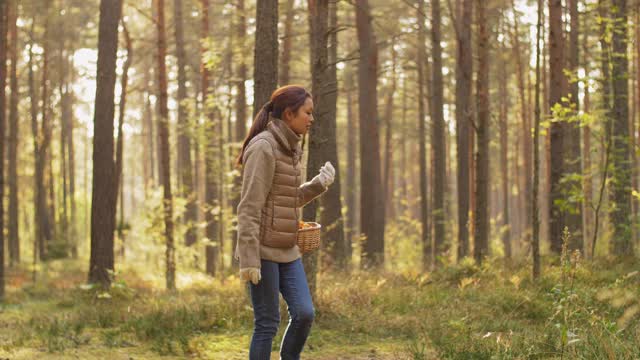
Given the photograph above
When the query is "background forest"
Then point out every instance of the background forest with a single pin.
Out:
(485, 204)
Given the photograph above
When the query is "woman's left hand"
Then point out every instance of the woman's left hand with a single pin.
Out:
(327, 174)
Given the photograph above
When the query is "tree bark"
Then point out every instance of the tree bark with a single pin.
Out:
(481, 237)
(287, 40)
(241, 106)
(103, 204)
(372, 201)
(4, 19)
(118, 181)
(352, 162)
(13, 233)
(322, 135)
(427, 247)
(388, 143)
(587, 183)
(504, 141)
(265, 59)
(184, 133)
(620, 186)
(464, 119)
(438, 135)
(574, 218)
(557, 131)
(535, 225)
(163, 134)
(521, 69)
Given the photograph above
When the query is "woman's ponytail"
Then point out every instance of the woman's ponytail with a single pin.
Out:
(259, 125)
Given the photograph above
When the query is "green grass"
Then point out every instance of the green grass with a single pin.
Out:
(576, 310)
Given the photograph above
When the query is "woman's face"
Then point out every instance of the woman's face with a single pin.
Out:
(300, 122)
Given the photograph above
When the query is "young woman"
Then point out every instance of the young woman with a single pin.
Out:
(268, 215)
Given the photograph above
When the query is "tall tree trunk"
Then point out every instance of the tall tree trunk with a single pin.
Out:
(212, 117)
(64, 122)
(4, 20)
(620, 186)
(481, 238)
(605, 46)
(388, 151)
(427, 247)
(14, 239)
(44, 155)
(103, 202)
(184, 133)
(372, 202)
(119, 180)
(521, 70)
(636, 117)
(535, 225)
(322, 136)
(163, 131)
(147, 126)
(351, 179)
(72, 164)
(38, 249)
(265, 58)
(438, 134)
(557, 216)
(464, 119)
(504, 141)
(587, 177)
(574, 218)
(287, 41)
(241, 105)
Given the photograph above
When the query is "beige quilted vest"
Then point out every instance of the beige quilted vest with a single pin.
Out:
(279, 222)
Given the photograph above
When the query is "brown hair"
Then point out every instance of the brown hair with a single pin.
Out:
(290, 97)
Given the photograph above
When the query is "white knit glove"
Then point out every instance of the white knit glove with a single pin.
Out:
(251, 274)
(327, 174)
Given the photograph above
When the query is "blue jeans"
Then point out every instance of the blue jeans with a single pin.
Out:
(290, 280)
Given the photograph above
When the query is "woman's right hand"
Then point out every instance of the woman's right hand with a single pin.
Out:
(250, 274)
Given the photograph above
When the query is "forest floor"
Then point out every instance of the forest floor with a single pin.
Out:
(577, 310)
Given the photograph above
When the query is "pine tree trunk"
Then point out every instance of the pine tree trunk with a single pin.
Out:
(163, 134)
(147, 133)
(504, 141)
(521, 69)
(14, 240)
(4, 19)
(481, 237)
(372, 201)
(438, 134)
(103, 203)
(72, 169)
(44, 156)
(574, 218)
(287, 40)
(427, 247)
(464, 119)
(388, 147)
(322, 136)
(184, 133)
(557, 216)
(265, 59)
(241, 106)
(587, 183)
(352, 166)
(535, 225)
(118, 181)
(212, 117)
(620, 186)
(64, 122)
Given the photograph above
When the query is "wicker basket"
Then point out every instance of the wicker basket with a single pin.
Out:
(309, 237)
